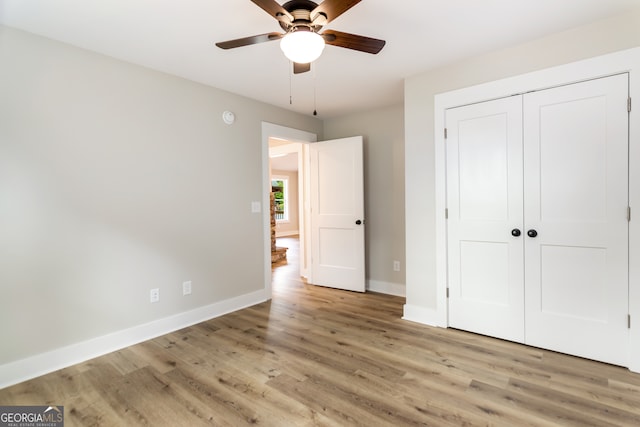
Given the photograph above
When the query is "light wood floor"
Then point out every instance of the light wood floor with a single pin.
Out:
(316, 356)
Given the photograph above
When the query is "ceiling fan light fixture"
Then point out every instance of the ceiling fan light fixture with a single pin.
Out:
(302, 47)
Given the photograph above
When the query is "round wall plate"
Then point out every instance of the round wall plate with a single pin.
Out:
(228, 117)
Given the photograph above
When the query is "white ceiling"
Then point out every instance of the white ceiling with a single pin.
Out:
(288, 162)
(177, 37)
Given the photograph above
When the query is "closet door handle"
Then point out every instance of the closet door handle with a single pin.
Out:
(516, 232)
(532, 233)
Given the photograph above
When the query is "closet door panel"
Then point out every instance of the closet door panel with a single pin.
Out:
(576, 197)
(484, 199)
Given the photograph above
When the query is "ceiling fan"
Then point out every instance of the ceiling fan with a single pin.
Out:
(302, 21)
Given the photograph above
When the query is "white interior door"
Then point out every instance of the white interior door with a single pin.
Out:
(484, 200)
(576, 198)
(337, 214)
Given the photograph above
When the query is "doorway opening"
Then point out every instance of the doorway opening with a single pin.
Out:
(287, 209)
(331, 225)
(285, 140)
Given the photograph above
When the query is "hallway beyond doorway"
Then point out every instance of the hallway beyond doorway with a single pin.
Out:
(288, 269)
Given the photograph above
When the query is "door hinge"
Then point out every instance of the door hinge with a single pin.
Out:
(628, 321)
(445, 133)
(446, 213)
(447, 292)
(629, 104)
(628, 213)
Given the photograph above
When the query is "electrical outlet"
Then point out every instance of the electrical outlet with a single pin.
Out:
(186, 288)
(154, 295)
(396, 265)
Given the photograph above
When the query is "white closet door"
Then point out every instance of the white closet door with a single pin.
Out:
(576, 197)
(484, 199)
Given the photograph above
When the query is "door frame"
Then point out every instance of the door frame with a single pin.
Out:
(627, 61)
(271, 130)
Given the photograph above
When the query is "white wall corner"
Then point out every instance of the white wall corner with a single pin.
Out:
(389, 288)
(25, 369)
(426, 316)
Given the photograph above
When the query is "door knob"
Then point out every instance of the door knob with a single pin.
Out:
(515, 232)
(532, 233)
(358, 222)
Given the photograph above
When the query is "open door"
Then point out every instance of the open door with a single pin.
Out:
(337, 214)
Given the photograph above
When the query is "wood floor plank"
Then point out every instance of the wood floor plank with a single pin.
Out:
(204, 390)
(603, 412)
(153, 355)
(527, 404)
(90, 409)
(330, 405)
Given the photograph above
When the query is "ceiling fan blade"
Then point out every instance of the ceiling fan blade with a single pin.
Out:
(333, 8)
(246, 41)
(274, 9)
(353, 41)
(301, 68)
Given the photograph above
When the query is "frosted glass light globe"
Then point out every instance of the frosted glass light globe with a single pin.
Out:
(302, 47)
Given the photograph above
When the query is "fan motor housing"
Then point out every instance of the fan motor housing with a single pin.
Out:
(292, 5)
(301, 12)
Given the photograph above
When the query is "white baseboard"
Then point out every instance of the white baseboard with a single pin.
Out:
(426, 316)
(388, 288)
(24, 369)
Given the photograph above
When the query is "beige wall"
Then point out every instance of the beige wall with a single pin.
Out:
(383, 132)
(114, 179)
(602, 37)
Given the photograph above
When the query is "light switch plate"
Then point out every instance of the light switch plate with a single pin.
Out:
(256, 207)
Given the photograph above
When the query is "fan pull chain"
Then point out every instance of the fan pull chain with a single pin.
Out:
(290, 84)
(315, 111)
